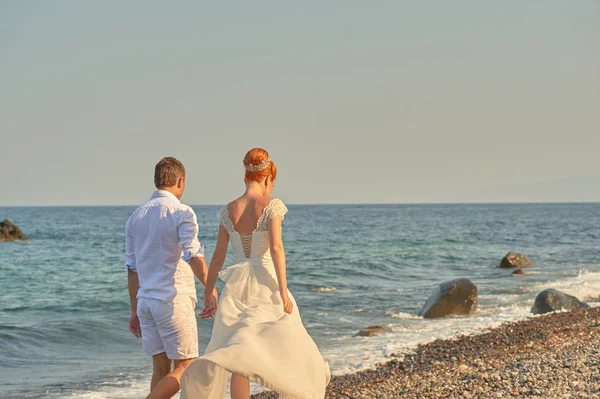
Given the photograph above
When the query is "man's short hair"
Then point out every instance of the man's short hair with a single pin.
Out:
(167, 171)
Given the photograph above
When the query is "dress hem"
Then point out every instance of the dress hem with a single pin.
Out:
(260, 381)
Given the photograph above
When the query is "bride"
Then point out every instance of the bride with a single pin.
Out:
(257, 333)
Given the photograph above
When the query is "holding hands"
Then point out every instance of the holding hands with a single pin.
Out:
(210, 304)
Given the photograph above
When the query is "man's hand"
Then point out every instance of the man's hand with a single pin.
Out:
(134, 326)
(210, 304)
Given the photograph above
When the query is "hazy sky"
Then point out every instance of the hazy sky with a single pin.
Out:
(357, 101)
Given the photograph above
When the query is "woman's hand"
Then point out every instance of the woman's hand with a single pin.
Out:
(288, 305)
(210, 304)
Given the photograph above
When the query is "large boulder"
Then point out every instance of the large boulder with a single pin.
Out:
(514, 259)
(373, 330)
(456, 297)
(551, 300)
(10, 232)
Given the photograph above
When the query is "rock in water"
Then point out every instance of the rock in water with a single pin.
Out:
(10, 232)
(518, 272)
(514, 259)
(456, 297)
(551, 300)
(373, 330)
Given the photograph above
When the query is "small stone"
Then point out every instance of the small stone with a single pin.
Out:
(373, 330)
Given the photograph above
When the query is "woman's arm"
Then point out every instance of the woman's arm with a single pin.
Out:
(278, 255)
(216, 263)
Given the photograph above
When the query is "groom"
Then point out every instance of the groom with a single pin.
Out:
(162, 255)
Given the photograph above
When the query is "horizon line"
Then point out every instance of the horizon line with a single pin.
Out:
(333, 204)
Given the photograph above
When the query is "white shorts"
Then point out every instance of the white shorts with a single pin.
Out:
(169, 327)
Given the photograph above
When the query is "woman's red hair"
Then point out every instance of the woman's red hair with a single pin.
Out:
(256, 156)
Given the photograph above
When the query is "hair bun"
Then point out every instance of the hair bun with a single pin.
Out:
(258, 164)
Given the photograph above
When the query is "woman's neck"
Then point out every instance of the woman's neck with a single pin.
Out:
(254, 189)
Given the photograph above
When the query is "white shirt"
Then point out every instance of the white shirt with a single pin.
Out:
(162, 237)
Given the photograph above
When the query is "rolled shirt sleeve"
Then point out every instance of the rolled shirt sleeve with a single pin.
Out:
(129, 249)
(188, 236)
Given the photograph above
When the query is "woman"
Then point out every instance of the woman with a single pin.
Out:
(257, 334)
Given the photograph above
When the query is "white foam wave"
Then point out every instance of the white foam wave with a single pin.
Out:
(585, 285)
(324, 290)
(402, 315)
(350, 354)
(132, 389)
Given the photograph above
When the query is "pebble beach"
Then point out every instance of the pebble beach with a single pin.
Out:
(550, 356)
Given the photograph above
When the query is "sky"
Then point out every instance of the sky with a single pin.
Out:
(356, 101)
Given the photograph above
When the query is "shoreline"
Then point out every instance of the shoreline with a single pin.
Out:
(550, 356)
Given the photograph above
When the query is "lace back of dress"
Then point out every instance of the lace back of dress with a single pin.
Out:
(246, 244)
(274, 208)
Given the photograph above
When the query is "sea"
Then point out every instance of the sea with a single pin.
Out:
(63, 293)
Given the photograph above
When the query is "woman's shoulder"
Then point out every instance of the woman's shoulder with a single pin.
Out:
(274, 200)
(226, 209)
(276, 207)
(266, 202)
(235, 203)
(222, 211)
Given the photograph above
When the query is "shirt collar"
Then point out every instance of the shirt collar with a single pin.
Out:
(164, 193)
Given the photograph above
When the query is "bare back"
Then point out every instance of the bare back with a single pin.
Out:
(245, 213)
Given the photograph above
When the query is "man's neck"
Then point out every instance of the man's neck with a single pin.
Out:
(171, 190)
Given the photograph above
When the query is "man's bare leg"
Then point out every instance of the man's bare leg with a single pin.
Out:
(161, 366)
(169, 385)
(240, 387)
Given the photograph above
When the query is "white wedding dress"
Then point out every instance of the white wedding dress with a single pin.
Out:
(252, 336)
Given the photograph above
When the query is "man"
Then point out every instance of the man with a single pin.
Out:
(162, 256)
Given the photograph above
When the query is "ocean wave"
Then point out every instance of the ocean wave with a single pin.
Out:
(324, 290)
(73, 305)
(402, 315)
(56, 336)
(585, 285)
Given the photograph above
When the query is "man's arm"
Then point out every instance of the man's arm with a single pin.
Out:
(133, 284)
(193, 251)
(198, 265)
